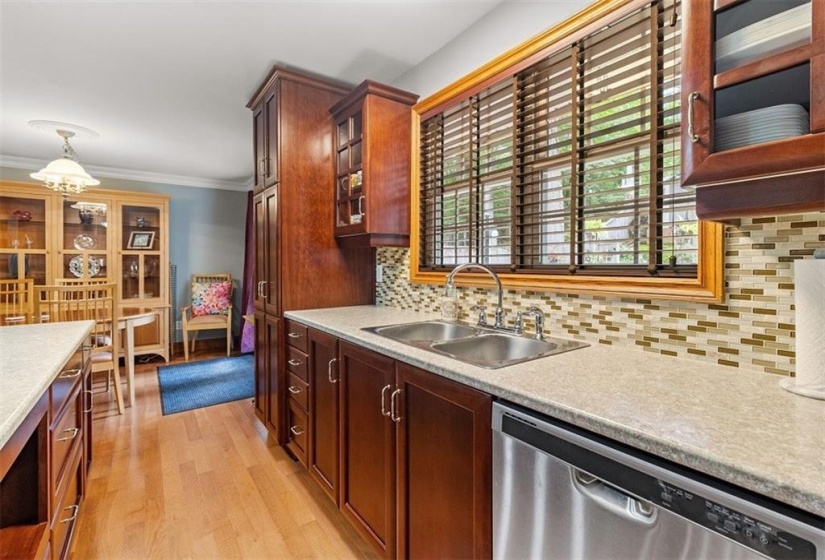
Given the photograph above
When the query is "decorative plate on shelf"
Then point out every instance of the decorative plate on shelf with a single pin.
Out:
(84, 241)
(76, 266)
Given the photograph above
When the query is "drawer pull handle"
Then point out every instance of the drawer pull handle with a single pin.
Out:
(393, 406)
(294, 335)
(295, 363)
(384, 400)
(75, 510)
(70, 373)
(91, 402)
(329, 371)
(74, 432)
(294, 390)
(296, 430)
(692, 96)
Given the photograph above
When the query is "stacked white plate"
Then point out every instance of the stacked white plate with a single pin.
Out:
(761, 125)
(785, 30)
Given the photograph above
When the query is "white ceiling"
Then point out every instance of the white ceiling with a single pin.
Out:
(165, 84)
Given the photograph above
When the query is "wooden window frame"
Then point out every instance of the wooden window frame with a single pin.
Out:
(707, 286)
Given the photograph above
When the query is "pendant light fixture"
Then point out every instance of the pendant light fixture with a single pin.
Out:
(65, 175)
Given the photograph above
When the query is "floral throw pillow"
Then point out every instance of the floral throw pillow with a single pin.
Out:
(212, 298)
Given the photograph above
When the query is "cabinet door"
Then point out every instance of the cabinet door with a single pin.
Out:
(323, 411)
(273, 405)
(25, 239)
(367, 498)
(259, 146)
(261, 390)
(270, 155)
(444, 467)
(266, 250)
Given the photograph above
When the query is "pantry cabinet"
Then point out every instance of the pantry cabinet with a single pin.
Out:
(299, 265)
(753, 106)
(372, 165)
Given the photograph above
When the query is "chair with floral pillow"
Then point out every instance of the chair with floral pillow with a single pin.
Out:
(210, 308)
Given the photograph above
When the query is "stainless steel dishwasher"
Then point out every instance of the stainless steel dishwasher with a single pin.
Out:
(562, 492)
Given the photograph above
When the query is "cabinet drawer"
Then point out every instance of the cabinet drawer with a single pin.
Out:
(297, 434)
(64, 436)
(296, 362)
(65, 515)
(65, 382)
(296, 335)
(298, 390)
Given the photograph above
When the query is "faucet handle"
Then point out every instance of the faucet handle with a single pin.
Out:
(482, 313)
(538, 314)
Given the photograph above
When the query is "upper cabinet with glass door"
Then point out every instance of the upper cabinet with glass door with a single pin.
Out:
(85, 238)
(372, 165)
(753, 108)
(24, 235)
(142, 274)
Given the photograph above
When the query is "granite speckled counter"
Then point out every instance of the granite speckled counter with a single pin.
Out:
(31, 356)
(733, 424)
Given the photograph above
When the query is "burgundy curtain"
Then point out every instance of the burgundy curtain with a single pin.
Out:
(247, 296)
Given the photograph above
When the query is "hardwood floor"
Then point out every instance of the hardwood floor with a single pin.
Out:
(200, 484)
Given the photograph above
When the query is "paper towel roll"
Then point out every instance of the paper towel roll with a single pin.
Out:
(809, 298)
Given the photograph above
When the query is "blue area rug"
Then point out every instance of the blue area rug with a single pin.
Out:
(198, 384)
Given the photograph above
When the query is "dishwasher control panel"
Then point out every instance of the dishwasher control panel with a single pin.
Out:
(745, 530)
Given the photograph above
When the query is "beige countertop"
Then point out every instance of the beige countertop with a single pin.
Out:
(31, 356)
(736, 425)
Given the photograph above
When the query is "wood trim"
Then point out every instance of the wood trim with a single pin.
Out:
(368, 87)
(526, 53)
(763, 66)
(707, 288)
(301, 77)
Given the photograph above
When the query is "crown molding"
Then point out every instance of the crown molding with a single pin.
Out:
(133, 175)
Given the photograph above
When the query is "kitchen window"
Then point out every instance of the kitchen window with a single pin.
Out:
(565, 172)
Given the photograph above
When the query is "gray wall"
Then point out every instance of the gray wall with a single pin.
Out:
(207, 232)
(512, 22)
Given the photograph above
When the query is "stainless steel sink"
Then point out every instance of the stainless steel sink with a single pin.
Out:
(428, 331)
(474, 345)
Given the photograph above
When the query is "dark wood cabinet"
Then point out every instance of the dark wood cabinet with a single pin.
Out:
(408, 458)
(298, 263)
(265, 139)
(267, 346)
(767, 174)
(372, 162)
(259, 402)
(324, 412)
(266, 250)
(367, 497)
(444, 473)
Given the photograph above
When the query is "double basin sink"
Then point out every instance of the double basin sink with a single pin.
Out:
(476, 345)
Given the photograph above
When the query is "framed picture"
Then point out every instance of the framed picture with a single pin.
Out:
(141, 240)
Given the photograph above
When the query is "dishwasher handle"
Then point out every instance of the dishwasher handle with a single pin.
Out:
(613, 499)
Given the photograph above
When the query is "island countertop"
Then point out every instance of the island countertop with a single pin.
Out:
(31, 356)
(736, 425)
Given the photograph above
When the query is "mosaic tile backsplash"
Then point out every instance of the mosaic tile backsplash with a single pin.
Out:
(753, 328)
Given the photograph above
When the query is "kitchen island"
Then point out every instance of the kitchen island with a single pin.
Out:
(734, 425)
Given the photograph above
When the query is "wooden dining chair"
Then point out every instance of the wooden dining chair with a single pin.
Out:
(16, 301)
(97, 303)
(210, 308)
(82, 281)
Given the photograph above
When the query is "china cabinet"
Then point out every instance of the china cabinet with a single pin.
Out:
(372, 165)
(98, 234)
(753, 106)
(298, 263)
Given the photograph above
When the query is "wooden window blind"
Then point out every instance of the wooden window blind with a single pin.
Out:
(570, 166)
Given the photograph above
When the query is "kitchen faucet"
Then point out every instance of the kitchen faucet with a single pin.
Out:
(499, 324)
(537, 315)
